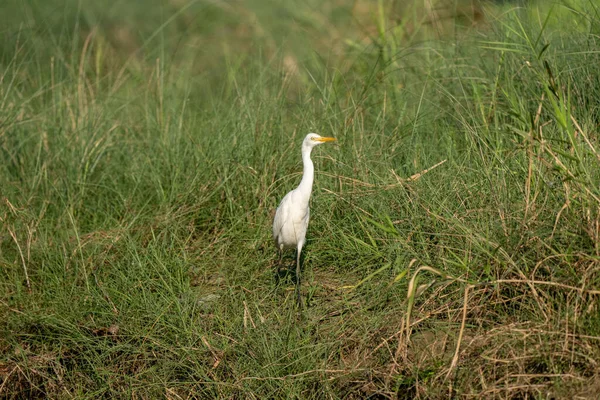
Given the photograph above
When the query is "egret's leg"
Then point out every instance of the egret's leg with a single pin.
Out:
(278, 271)
(298, 299)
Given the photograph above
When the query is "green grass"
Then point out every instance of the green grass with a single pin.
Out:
(145, 145)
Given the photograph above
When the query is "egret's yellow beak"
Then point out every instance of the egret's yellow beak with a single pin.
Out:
(325, 139)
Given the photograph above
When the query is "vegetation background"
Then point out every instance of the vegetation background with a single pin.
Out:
(454, 246)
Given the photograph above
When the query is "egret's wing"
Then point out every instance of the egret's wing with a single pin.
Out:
(281, 216)
(301, 224)
(304, 227)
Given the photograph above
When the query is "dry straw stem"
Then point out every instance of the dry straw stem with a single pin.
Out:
(584, 136)
(563, 208)
(547, 283)
(460, 334)
(215, 353)
(14, 237)
(512, 349)
(373, 187)
(412, 292)
(371, 275)
(400, 181)
(528, 202)
(564, 168)
(305, 373)
(248, 317)
(420, 174)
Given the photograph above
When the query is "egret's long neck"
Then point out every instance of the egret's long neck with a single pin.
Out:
(305, 186)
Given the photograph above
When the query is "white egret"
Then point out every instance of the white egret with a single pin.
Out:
(291, 219)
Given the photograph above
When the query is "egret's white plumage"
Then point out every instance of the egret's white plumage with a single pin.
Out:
(291, 219)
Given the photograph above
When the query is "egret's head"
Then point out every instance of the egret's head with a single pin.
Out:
(312, 139)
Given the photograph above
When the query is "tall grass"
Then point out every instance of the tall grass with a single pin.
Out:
(453, 249)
